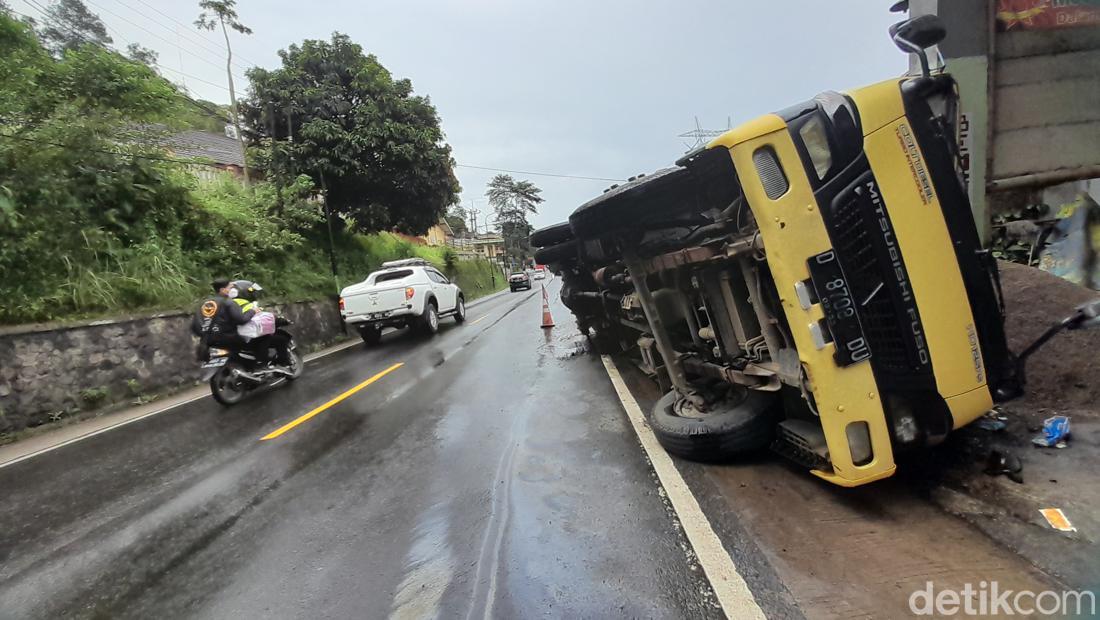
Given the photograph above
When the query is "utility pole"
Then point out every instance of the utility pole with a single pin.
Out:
(473, 219)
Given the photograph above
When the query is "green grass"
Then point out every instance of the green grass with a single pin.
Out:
(144, 280)
(476, 278)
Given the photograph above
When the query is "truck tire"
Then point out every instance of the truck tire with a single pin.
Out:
(734, 428)
(666, 193)
(551, 235)
(371, 334)
(557, 254)
(429, 319)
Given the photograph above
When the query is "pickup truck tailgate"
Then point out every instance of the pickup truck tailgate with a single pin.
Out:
(375, 303)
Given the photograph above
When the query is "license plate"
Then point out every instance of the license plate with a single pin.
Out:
(835, 297)
(218, 358)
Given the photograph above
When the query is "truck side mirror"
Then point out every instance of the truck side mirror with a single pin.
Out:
(917, 35)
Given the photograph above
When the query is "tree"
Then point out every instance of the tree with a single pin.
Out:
(512, 201)
(223, 13)
(335, 113)
(141, 54)
(68, 24)
(78, 195)
(456, 219)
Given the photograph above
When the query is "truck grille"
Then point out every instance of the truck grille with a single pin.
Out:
(851, 224)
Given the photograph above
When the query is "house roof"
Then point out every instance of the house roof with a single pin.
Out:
(215, 147)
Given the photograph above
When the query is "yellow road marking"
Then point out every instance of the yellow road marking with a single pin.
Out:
(282, 429)
(479, 318)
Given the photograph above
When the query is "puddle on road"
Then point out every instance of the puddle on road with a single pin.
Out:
(563, 347)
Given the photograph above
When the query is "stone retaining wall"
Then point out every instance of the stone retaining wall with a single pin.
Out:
(48, 371)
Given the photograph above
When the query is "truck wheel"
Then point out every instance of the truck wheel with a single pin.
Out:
(555, 254)
(429, 320)
(370, 334)
(667, 192)
(741, 424)
(551, 235)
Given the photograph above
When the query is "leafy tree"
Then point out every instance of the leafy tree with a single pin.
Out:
(338, 115)
(223, 13)
(456, 219)
(68, 24)
(512, 202)
(141, 54)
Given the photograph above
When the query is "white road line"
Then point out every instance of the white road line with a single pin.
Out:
(733, 593)
(120, 424)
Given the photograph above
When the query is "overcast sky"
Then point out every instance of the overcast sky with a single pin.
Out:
(577, 87)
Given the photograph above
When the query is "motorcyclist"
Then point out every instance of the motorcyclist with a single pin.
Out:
(217, 319)
(246, 297)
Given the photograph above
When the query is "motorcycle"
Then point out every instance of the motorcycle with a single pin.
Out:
(234, 373)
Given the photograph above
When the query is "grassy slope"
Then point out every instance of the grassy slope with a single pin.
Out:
(476, 278)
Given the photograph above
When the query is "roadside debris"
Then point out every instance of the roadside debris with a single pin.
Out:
(1055, 432)
(1004, 463)
(991, 424)
(1057, 519)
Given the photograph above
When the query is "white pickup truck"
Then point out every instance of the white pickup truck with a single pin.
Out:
(403, 293)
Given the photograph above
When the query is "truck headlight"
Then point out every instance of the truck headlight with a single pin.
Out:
(816, 141)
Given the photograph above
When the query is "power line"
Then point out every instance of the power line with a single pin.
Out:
(541, 174)
(151, 33)
(176, 21)
(217, 114)
(201, 42)
(193, 77)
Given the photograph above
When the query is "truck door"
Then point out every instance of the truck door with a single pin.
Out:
(445, 292)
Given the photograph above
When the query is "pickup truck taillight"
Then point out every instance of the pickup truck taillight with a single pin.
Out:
(409, 291)
(341, 304)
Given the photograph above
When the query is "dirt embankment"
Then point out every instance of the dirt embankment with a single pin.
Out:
(1062, 378)
(1064, 373)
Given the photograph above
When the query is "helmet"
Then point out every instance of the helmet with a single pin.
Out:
(247, 289)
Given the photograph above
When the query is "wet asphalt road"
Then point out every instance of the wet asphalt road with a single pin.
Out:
(492, 475)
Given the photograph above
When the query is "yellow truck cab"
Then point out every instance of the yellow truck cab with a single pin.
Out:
(811, 281)
(872, 247)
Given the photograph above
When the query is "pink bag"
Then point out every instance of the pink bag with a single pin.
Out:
(261, 324)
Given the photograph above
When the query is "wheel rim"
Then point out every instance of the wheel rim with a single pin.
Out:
(461, 309)
(433, 318)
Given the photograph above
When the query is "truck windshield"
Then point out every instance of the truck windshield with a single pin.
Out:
(387, 276)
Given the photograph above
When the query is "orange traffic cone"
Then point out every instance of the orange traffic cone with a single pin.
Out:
(547, 320)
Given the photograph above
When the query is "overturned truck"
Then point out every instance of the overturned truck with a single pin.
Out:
(810, 281)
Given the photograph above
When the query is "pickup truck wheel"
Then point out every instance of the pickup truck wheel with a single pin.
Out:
(370, 334)
(665, 193)
(743, 423)
(429, 321)
(460, 310)
(551, 235)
